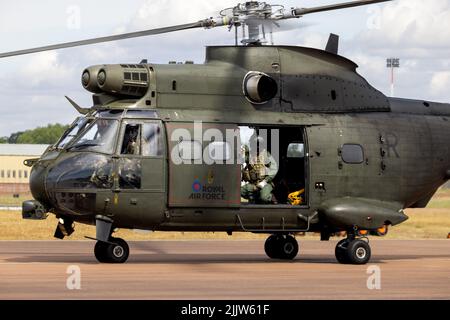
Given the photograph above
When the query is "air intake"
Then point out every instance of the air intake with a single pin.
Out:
(127, 80)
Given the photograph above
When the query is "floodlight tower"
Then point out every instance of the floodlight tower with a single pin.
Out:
(392, 63)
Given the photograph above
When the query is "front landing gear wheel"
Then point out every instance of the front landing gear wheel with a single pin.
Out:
(117, 251)
(100, 251)
(353, 251)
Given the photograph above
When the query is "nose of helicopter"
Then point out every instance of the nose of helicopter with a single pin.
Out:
(68, 184)
(38, 208)
(37, 184)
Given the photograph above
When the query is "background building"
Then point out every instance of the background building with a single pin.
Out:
(14, 175)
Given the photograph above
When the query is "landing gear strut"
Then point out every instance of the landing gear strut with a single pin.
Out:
(283, 247)
(353, 251)
(114, 251)
(109, 249)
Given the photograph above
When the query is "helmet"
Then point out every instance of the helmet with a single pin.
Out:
(257, 142)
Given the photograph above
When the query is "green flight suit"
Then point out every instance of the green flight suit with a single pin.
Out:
(259, 174)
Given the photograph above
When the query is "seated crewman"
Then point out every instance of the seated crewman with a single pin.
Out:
(131, 140)
(259, 171)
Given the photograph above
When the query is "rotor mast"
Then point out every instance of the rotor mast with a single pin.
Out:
(255, 19)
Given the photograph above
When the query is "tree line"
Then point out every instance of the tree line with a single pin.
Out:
(41, 135)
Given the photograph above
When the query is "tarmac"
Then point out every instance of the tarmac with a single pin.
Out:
(223, 270)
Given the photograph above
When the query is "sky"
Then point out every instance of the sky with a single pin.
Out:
(32, 87)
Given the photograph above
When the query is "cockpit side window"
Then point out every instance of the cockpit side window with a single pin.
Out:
(142, 139)
(151, 140)
(132, 140)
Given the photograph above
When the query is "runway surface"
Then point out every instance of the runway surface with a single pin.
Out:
(227, 270)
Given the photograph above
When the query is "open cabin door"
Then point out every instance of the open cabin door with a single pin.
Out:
(204, 170)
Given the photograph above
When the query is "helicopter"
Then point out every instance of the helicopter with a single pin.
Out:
(168, 147)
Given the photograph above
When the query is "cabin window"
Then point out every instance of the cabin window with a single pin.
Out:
(296, 150)
(219, 151)
(352, 153)
(25, 174)
(190, 150)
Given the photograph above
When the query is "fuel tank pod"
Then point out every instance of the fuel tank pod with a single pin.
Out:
(364, 214)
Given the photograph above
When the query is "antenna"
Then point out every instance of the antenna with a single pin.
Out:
(392, 63)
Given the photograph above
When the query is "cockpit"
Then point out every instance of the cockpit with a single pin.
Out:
(99, 132)
(105, 150)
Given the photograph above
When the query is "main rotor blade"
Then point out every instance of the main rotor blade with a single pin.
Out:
(303, 11)
(104, 39)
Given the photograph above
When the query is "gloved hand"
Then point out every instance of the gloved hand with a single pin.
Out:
(262, 184)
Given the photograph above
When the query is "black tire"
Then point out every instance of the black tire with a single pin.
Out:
(288, 248)
(117, 252)
(100, 251)
(358, 252)
(341, 251)
(271, 247)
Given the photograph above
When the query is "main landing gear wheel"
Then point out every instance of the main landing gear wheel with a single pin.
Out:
(281, 247)
(117, 251)
(354, 251)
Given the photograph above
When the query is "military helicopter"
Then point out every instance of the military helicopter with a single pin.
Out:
(165, 147)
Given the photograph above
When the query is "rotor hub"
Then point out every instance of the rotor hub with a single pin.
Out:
(256, 19)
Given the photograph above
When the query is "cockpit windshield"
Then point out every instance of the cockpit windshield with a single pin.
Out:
(100, 137)
(73, 131)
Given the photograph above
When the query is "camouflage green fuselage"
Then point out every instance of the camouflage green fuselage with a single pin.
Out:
(405, 143)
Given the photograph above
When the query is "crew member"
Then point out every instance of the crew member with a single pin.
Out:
(259, 171)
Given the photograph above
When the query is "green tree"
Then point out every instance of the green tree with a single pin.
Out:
(41, 135)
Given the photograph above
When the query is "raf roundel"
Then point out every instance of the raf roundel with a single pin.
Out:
(196, 186)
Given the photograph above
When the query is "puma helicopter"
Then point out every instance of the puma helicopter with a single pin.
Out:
(164, 147)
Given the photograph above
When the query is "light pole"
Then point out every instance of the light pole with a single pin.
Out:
(392, 63)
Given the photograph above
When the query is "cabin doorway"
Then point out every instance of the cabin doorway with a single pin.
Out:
(273, 169)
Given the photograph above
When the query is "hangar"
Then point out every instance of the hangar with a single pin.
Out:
(14, 175)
